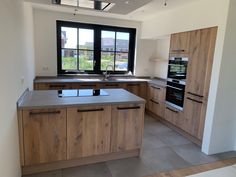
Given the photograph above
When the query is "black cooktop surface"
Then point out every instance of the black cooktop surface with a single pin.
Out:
(82, 93)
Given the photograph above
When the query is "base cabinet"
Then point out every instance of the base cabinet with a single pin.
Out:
(156, 100)
(79, 135)
(44, 136)
(127, 127)
(88, 131)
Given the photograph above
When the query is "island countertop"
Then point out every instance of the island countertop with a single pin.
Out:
(50, 99)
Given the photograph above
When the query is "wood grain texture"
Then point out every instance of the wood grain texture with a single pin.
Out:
(180, 42)
(44, 136)
(196, 169)
(88, 132)
(21, 137)
(156, 99)
(202, 47)
(127, 127)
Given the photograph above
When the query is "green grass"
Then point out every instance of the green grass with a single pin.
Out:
(70, 63)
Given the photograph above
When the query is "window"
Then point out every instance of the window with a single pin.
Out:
(93, 48)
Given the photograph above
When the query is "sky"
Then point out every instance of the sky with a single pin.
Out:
(86, 35)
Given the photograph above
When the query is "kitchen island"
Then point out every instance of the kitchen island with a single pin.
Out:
(60, 129)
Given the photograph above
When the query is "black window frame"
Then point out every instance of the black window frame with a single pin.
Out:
(97, 46)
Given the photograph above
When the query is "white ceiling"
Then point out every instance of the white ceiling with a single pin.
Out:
(136, 10)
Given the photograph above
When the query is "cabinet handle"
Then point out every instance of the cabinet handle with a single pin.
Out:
(194, 100)
(88, 85)
(172, 110)
(43, 113)
(154, 101)
(90, 110)
(132, 84)
(156, 88)
(57, 86)
(194, 94)
(115, 85)
(179, 50)
(126, 108)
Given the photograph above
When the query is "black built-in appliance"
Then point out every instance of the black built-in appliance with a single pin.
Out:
(177, 72)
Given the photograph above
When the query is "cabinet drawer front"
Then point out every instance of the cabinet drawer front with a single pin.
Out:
(127, 127)
(156, 107)
(157, 93)
(44, 136)
(88, 131)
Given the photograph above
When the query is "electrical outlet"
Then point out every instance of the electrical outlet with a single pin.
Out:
(45, 68)
(22, 80)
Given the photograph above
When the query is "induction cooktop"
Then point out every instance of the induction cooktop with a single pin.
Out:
(82, 93)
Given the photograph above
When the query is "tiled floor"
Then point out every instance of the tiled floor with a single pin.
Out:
(163, 150)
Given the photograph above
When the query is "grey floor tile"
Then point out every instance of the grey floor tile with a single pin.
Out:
(131, 167)
(226, 155)
(57, 173)
(151, 142)
(163, 159)
(172, 138)
(155, 127)
(95, 170)
(192, 154)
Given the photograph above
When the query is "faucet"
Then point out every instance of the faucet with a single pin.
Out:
(106, 75)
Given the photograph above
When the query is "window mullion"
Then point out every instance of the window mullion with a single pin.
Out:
(78, 52)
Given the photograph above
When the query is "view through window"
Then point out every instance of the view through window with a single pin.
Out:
(92, 49)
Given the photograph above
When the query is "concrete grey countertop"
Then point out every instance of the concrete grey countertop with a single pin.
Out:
(126, 79)
(49, 99)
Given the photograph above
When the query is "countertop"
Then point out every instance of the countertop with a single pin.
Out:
(155, 81)
(49, 99)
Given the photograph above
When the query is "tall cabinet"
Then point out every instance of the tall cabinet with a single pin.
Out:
(199, 47)
(202, 45)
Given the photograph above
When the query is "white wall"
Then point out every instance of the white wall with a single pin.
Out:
(45, 38)
(13, 67)
(145, 51)
(29, 43)
(196, 15)
(163, 47)
(223, 135)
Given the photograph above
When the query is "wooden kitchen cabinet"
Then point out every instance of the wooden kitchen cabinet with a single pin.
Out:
(127, 127)
(179, 43)
(44, 136)
(174, 116)
(112, 85)
(88, 131)
(53, 86)
(156, 99)
(202, 47)
(194, 116)
(139, 89)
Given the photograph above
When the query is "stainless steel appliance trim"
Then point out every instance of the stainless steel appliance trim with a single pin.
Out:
(182, 58)
(182, 82)
(174, 106)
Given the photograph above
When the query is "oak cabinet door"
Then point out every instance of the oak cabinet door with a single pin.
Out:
(180, 43)
(88, 131)
(156, 107)
(44, 136)
(139, 89)
(127, 127)
(194, 116)
(202, 45)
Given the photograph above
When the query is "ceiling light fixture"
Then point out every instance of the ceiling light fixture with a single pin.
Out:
(165, 4)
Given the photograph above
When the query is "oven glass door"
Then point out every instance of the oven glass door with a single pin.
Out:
(177, 69)
(175, 94)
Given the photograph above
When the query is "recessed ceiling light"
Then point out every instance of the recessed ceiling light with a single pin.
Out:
(126, 2)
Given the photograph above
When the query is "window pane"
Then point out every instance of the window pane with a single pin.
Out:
(122, 42)
(107, 58)
(108, 41)
(69, 38)
(85, 60)
(86, 39)
(69, 2)
(69, 59)
(121, 61)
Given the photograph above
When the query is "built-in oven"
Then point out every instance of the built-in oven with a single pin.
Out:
(177, 68)
(175, 93)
